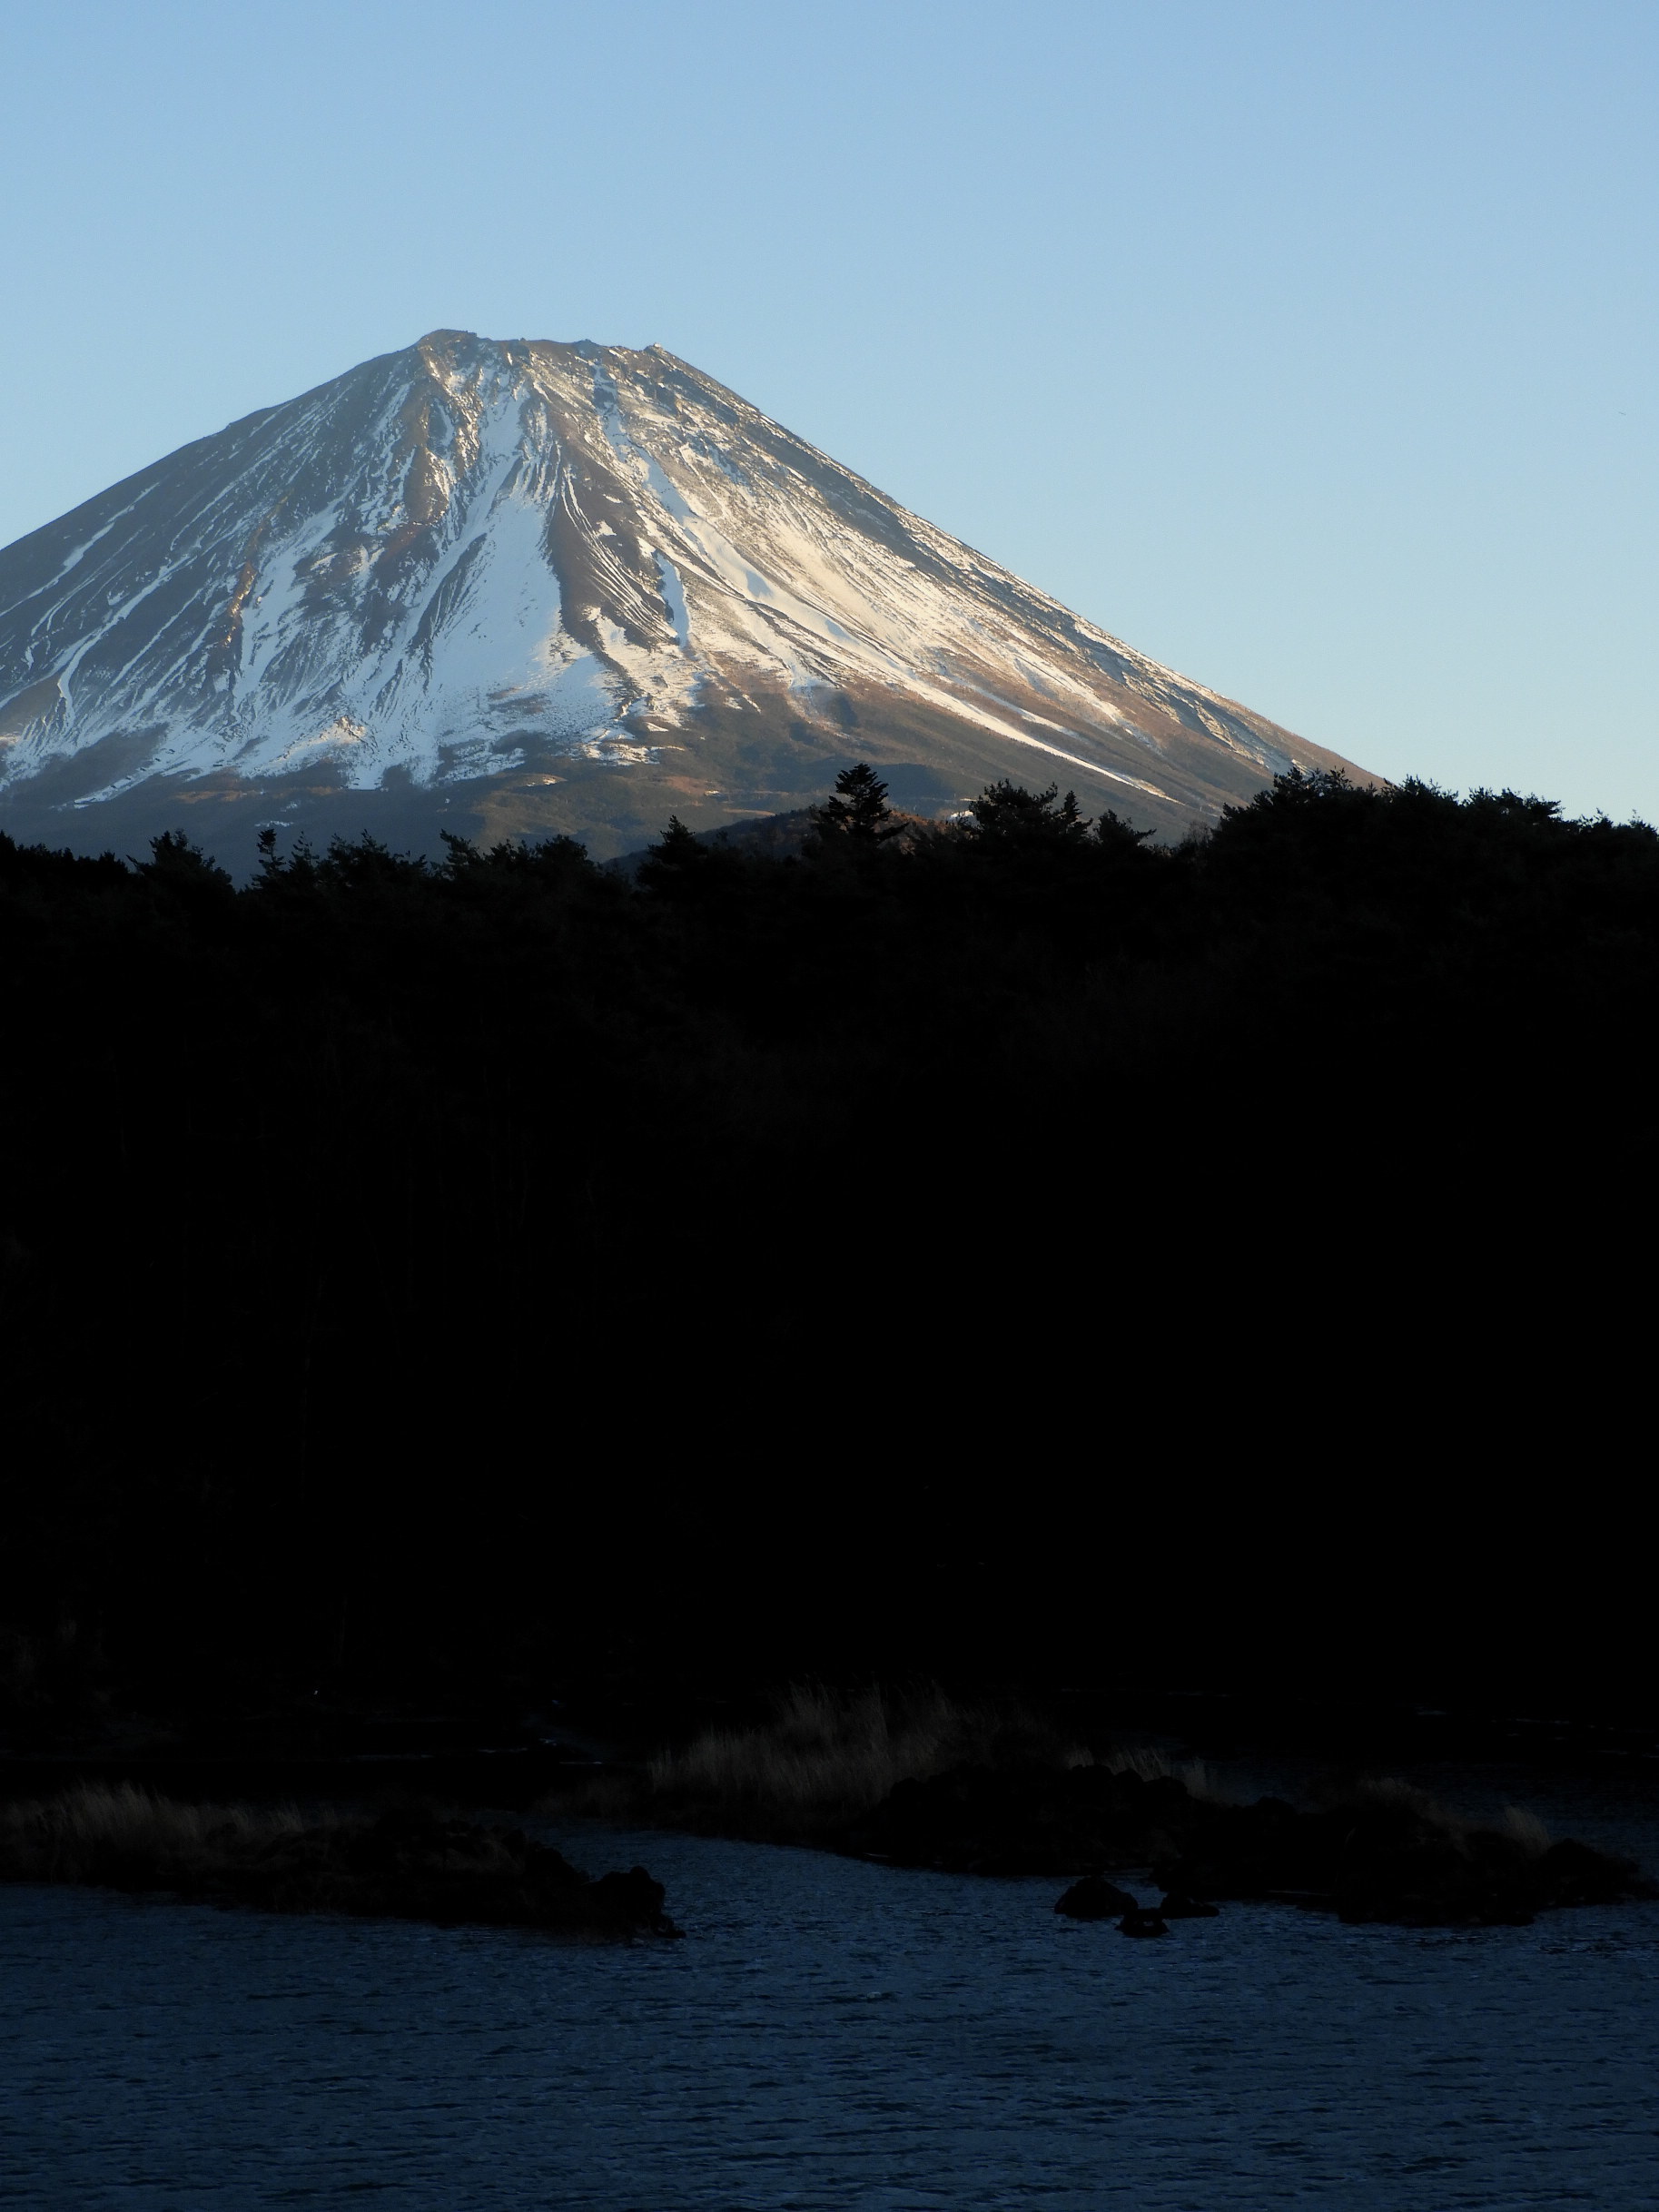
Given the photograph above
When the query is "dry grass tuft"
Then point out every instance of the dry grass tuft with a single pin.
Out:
(1528, 1830)
(75, 1837)
(406, 1863)
(1389, 1790)
(1155, 1766)
(1519, 1825)
(830, 1755)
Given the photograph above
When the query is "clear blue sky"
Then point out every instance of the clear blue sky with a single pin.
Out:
(1308, 346)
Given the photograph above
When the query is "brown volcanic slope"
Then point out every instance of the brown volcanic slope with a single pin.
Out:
(519, 587)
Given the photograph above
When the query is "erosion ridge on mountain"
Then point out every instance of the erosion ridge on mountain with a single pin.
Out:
(523, 587)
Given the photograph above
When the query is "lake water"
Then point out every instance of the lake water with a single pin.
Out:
(830, 2035)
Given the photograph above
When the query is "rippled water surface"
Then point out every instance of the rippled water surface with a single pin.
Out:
(828, 2034)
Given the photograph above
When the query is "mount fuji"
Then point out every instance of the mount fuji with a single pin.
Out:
(521, 587)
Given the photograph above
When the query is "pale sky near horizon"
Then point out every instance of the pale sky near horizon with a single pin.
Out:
(1309, 348)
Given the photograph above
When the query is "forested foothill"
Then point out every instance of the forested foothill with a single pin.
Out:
(1006, 1248)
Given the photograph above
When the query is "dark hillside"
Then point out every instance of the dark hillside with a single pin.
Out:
(1017, 1251)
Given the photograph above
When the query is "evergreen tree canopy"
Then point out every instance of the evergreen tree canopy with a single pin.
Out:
(362, 1223)
(1007, 813)
(859, 809)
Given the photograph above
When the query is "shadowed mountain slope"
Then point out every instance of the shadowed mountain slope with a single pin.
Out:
(523, 587)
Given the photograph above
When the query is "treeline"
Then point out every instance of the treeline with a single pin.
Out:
(930, 1250)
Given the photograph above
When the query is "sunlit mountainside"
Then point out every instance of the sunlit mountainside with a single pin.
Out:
(521, 587)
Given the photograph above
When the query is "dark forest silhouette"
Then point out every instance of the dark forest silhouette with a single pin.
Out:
(1008, 1246)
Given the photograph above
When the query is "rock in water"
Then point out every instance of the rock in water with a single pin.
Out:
(1095, 1899)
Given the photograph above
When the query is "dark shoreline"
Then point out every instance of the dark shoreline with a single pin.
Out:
(1351, 1844)
(407, 1863)
(1383, 1852)
(490, 1755)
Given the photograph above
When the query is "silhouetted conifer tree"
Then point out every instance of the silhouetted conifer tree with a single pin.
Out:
(670, 859)
(1007, 813)
(1113, 834)
(682, 866)
(859, 809)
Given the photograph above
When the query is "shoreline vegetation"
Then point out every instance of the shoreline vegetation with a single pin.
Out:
(405, 1863)
(924, 1781)
(916, 1778)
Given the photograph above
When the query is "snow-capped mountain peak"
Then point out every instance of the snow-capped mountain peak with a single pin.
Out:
(562, 586)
